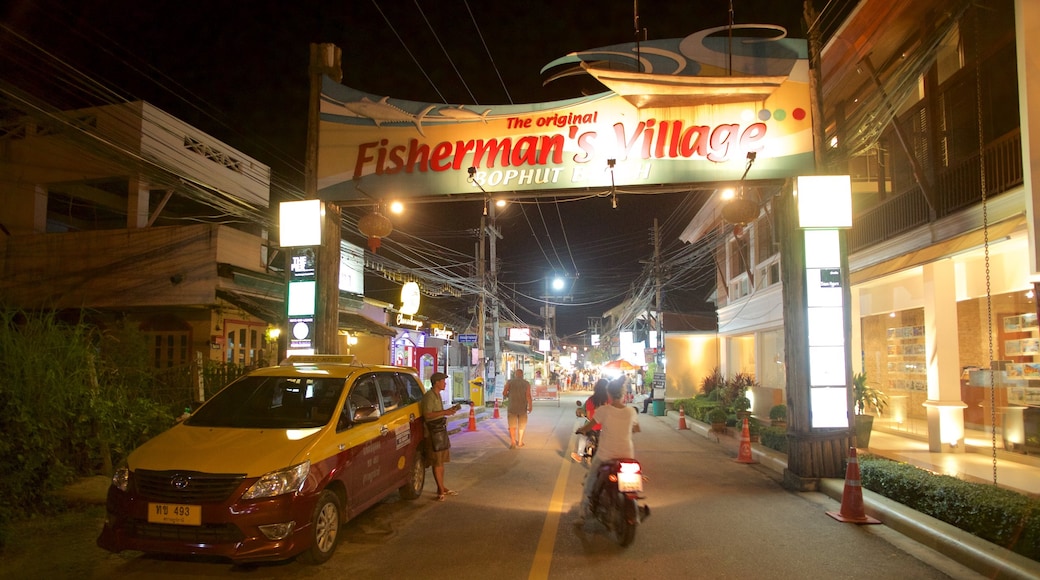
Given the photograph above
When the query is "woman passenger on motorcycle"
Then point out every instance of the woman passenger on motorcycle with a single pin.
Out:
(619, 422)
(598, 398)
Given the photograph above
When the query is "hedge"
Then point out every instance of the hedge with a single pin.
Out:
(1001, 516)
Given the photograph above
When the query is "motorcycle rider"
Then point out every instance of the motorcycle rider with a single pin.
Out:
(619, 422)
(598, 399)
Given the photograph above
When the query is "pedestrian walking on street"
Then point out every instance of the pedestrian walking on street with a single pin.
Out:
(518, 392)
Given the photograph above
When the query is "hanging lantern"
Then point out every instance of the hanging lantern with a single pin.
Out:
(740, 211)
(375, 225)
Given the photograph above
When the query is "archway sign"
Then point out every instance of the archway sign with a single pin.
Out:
(692, 114)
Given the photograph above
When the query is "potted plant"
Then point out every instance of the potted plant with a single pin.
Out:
(742, 406)
(778, 416)
(866, 399)
(754, 427)
(717, 418)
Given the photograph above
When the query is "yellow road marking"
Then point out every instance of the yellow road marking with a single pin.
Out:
(547, 541)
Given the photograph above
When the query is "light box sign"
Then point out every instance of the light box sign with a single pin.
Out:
(301, 299)
(519, 334)
(678, 122)
(299, 223)
(825, 316)
(351, 268)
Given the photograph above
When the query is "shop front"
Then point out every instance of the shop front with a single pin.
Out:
(924, 332)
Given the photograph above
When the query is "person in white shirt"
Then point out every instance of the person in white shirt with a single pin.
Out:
(618, 422)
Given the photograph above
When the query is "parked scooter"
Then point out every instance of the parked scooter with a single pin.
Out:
(615, 498)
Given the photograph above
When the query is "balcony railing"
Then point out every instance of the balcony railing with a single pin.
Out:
(956, 188)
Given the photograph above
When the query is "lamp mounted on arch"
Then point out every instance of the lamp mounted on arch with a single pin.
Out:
(739, 210)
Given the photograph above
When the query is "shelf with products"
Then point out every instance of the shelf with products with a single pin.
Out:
(1021, 347)
(906, 358)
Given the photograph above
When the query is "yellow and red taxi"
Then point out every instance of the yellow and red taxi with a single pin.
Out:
(271, 466)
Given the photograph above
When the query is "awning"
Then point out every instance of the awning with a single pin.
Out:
(356, 323)
(517, 348)
(267, 309)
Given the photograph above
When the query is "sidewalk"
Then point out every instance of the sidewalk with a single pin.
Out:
(984, 557)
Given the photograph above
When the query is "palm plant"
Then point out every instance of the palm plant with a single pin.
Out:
(867, 398)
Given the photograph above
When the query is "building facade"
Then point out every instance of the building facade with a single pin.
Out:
(926, 106)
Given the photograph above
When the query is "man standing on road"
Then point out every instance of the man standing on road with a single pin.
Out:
(518, 391)
(435, 418)
(619, 422)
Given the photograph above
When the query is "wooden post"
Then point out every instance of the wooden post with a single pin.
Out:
(325, 60)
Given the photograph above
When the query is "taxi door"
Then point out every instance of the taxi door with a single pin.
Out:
(363, 442)
(398, 416)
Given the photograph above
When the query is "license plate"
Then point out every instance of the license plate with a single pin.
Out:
(175, 513)
(630, 482)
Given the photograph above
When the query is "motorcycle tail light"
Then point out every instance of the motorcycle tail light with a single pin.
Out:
(628, 467)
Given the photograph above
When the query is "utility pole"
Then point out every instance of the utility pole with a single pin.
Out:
(481, 316)
(488, 289)
(658, 281)
(495, 235)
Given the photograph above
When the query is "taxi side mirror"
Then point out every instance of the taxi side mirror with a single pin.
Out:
(366, 414)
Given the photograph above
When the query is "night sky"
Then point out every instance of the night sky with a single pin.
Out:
(238, 70)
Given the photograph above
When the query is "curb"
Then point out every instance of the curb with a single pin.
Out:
(460, 425)
(984, 557)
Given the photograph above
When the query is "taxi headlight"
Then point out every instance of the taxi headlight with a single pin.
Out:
(121, 478)
(278, 482)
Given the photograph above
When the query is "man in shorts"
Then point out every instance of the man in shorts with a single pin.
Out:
(518, 391)
(433, 409)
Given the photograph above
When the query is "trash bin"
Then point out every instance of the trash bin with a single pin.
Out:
(658, 408)
(476, 391)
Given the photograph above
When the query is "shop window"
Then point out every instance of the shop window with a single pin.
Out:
(169, 339)
(244, 342)
(169, 349)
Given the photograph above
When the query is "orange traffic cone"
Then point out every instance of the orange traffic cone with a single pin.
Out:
(852, 498)
(472, 420)
(682, 418)
(496, 415)
(744, 455)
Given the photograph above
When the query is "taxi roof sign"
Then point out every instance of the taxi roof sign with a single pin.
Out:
(319, 359)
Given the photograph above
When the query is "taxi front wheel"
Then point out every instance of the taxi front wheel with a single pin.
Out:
(325, 526)
(412, 489)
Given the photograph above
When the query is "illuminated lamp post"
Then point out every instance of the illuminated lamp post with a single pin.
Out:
(553, 283)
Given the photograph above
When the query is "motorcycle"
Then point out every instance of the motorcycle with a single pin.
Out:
(615, 498)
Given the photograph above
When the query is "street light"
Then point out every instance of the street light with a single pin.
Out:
(555, 284)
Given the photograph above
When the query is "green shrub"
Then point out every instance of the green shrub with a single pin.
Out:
(76, 399)
(775, 438)
(696, 407)
(717, 415)
(1000, 516)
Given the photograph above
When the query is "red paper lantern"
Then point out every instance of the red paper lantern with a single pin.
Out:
(375, 225)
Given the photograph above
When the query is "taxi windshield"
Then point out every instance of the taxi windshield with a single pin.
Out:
(271, 403)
